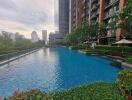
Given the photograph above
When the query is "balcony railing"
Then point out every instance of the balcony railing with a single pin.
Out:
(94, 1)
(9, 57)
(94, 15)
(110, 4)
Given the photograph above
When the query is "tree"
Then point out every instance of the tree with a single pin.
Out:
(94, 30)
(102, 30)
(71, 38)
(124, 19)
(84, 32)
(6, 38)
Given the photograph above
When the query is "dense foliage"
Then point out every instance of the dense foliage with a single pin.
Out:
(121, 52)
(124, 19)
(106, 48)
(8, 45)
(98, 91)
(85, 32)
(30, 95)
(129, 59)
(125, 81)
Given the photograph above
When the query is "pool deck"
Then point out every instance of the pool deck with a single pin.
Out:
(127, 65)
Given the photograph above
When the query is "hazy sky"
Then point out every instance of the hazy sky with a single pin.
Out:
(24, 16)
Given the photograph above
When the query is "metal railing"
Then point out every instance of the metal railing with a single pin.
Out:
(5, 58)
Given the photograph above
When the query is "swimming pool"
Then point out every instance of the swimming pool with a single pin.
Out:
(52, 69)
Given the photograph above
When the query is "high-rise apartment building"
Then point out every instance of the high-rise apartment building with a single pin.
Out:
(95, 10)
(44, 36)
(63, 16)
(56, 11)
(76, 13)
(34, 37)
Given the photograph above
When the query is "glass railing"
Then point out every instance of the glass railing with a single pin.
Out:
(9, 56)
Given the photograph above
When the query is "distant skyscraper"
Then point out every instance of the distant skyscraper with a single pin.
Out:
(63, 16)
(56, 11)
(44, 35)
(34, 37)
(56, 32)
(51, 37)
(56, 38)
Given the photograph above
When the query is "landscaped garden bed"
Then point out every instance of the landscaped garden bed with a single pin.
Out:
(129, 59)
(97, 91)
(124, 82)
(114, 52)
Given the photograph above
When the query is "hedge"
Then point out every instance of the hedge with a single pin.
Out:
(124, 81)
(105, 48)
(129, 60)
(115, 48)
(97, 91)
(30, 95)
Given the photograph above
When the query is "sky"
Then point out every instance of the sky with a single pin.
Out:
(25, 16)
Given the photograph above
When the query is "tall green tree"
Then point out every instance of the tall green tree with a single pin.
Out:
(94, 29)
(84, 32)
(124, 19)
(102, 30)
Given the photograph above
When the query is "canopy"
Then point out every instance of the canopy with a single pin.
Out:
(124, 41)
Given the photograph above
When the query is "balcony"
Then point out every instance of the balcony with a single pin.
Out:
(108, 16)
(110, 4)
(94, 1)
(83, 15)
(84, 7)
(111, 12)
(97, 12)
(94, 16)
(83, 2)
(94, 8)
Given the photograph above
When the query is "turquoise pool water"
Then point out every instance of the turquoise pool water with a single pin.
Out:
(52, 69)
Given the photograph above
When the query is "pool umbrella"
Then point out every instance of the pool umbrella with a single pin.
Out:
(124, 41)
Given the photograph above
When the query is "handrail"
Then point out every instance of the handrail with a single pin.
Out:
(8, 60)
(13, 54)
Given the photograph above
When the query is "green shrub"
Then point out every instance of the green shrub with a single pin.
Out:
(115, 48)
(97, 91)
(125, 81)
(77, 47)
(30, 95)
(129, 60)
(89, 51)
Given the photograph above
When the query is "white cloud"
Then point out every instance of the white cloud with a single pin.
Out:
(26, 15)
